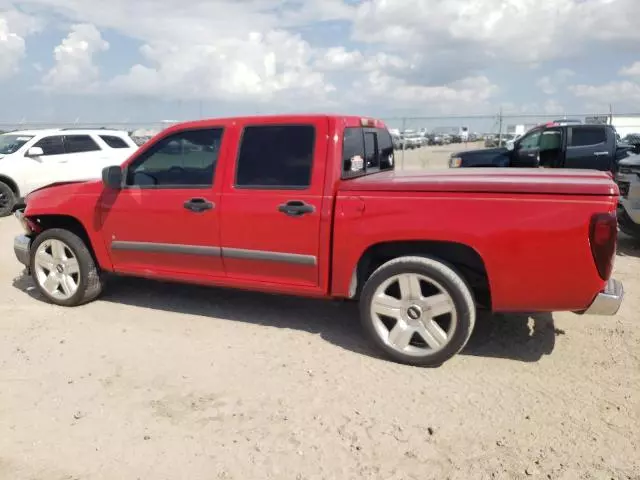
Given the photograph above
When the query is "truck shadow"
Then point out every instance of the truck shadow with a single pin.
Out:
(628, 246)
(524, 338)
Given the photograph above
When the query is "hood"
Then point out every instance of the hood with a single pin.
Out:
(483, 151)
(495, 180)
(486, 157)
(61, 191)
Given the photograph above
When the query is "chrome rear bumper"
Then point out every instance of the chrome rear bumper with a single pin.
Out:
(608, 301)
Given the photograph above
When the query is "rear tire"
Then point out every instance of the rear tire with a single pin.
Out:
(7, 200)
(627, 225)
(417, 311)
(63, 268)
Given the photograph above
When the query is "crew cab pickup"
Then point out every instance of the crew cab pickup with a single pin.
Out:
(552, 145)
(313, 206)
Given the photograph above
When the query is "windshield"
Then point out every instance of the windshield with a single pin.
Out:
(11, 143)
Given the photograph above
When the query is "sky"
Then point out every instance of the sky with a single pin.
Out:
(151, 60)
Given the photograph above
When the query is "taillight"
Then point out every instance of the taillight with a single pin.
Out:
(603, 235)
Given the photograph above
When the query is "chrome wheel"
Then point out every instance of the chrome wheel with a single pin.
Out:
(57, 269)
(4, 200)
(413, 314)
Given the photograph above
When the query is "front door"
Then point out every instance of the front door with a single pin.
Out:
(526, 152)
(165, 220)
(48, 168)
(272, 204)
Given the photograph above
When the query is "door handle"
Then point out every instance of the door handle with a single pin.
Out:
(600, 154)
(296, 208)
(198, 205)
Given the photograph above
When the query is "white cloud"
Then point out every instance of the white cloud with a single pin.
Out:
(549, 84)
(339, 58)
(623, 94)
(468, 94)
(257, 67)
(519, 30)
(74, 66)
(626, 93)
(632, 70)
(14, 27)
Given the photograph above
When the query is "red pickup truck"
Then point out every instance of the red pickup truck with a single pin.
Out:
(312, 205)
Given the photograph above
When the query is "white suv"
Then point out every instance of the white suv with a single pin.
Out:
(30, 159)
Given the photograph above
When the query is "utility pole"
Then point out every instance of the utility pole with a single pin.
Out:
(404, 127)
(610, 114)
(500, 127)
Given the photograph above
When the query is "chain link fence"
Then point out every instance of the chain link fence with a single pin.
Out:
(490, 129)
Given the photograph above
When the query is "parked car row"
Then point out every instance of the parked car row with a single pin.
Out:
(410, 139)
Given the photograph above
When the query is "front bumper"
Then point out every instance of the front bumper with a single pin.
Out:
(608, 301)
(21, 247)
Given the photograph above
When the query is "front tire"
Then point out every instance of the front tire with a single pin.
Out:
(7, 200)
(417, 311)
(63, 268)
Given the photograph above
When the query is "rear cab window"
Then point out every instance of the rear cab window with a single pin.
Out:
(366, 150)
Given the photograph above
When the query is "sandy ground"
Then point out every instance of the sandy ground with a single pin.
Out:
(160, 381)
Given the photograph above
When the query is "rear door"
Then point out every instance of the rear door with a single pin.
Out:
(272, 203)
(587, 147)
(85, 158)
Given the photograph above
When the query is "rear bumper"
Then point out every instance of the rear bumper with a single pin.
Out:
(608, 301)
(21, 247)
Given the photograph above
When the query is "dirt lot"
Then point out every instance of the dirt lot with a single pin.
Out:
(159, 381)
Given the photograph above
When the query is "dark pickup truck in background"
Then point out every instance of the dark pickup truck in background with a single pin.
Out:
(553, 145)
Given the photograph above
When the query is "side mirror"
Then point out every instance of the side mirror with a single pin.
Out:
(510, 146)
(112, 177)
(35, 152)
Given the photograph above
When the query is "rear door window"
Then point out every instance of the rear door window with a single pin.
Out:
(80, 144)
(276, 157)
(587, 136)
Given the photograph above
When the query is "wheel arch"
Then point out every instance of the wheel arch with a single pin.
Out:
(66, 222)
(11, 183)
(465, 259)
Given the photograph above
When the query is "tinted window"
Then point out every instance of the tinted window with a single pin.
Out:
(585, 136)
(373, 145)
(114, 142)
(531, 140)
(385, 147)
(370, 149)
(276, 156)
(51, 145)
(184, 159)
(79, 144)
(352, 148)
